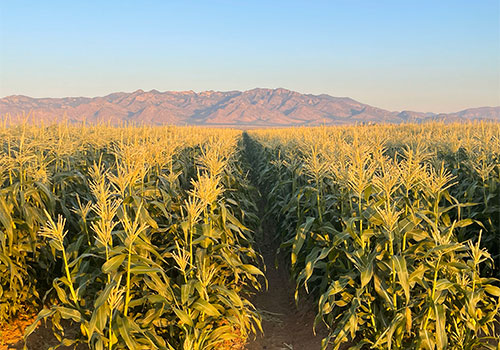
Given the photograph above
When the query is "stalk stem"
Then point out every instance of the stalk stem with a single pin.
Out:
(68, 276)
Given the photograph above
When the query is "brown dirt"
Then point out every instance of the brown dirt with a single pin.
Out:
(12, 332)
(11, 335)
(286, 326)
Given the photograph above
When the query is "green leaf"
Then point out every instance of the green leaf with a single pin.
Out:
(300, 238)
(205, 307)
(441, 337)
(137, 270)
(493, 290)
(113, 264)
(252, 269)
(103, 295)
(464, 222)
(68, 313)
(124, 330)
(183, 316)
(186, 290)
(402, 273)
(97, 321)
(366, 273)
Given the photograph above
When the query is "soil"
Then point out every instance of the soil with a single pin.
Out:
(286, 325)
(11, 335)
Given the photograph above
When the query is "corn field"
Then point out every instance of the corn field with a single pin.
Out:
(144, 237)
(137, 235)
(393, 229)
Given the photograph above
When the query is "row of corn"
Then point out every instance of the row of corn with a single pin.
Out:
(394, 230)
(138, 237)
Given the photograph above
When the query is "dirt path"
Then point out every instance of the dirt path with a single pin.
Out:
(285, 325)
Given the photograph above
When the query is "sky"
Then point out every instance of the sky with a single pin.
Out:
(439, 56)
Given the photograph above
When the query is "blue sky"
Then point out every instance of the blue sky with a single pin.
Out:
(439, 56)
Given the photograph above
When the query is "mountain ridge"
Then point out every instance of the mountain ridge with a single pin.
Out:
(258, 107)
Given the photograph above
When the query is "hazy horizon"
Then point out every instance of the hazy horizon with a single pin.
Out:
(422, 56)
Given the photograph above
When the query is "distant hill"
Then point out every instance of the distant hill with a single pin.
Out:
(253, 108)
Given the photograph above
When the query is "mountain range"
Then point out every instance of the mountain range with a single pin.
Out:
(253, 108)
